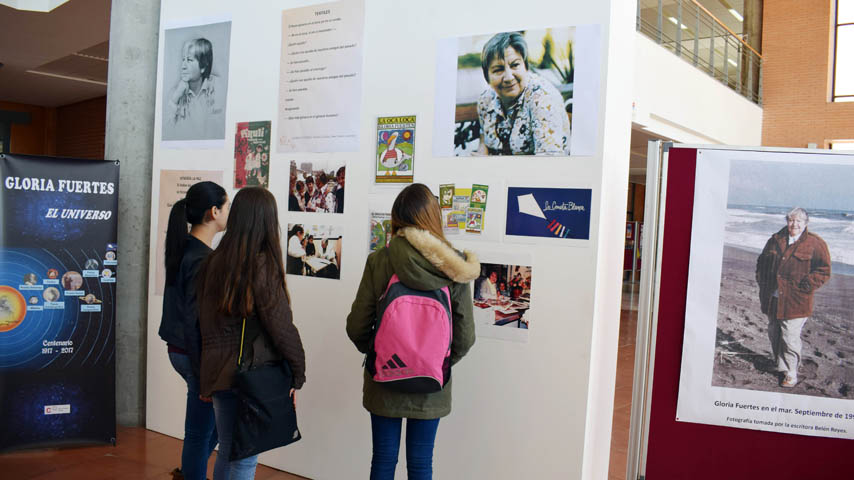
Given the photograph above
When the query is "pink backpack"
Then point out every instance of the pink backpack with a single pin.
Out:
(411, 350)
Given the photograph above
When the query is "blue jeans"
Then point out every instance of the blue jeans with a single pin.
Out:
(420, 437)
(199, 427)
(225, 407)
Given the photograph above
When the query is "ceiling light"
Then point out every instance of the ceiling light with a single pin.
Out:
(731, 62)
(676, 22)
(735, 14)
(67, 77)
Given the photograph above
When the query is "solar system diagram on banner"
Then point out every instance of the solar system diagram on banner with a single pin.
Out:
(58, 273)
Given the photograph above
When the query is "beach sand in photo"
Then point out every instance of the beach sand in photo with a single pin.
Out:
(742, 349)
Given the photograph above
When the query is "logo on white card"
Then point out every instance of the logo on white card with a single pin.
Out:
(57, 409)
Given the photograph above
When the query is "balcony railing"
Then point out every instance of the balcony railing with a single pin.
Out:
(692, 32)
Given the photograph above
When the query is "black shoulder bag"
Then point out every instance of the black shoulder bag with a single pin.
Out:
(266, 417)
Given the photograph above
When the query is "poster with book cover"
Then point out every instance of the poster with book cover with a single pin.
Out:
(252, 154)
(380, 231)
(455, 217)
(395, 149)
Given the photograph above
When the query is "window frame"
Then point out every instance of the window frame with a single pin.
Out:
(5, 136)
(836, 25)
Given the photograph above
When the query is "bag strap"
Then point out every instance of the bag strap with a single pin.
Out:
(242, 334)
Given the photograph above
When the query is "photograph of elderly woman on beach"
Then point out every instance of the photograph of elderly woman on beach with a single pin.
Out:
(195, 82)
(515, 93)
(785, 318)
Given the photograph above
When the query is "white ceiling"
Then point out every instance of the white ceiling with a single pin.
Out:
(68, 46)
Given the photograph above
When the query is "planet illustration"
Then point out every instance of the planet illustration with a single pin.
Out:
(89, 299)
(50, 294)
(72, 280)
(13, 308)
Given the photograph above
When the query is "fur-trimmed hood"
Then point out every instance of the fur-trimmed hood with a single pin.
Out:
(425, 262)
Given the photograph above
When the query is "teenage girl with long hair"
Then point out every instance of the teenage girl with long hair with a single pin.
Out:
(205, 210)
(242, 279)
(423, 260)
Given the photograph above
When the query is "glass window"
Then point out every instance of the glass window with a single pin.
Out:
(843, 69)
(4, 137)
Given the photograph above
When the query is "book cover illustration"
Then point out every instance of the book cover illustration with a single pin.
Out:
(395, 149)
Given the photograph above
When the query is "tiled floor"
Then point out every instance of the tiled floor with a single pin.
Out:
(139, 454)
(623, 389)
(143, 454)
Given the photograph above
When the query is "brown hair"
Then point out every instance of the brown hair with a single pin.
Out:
(415, 206)
(228, 273)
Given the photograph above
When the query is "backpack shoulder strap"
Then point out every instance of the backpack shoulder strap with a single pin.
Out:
(391, 281)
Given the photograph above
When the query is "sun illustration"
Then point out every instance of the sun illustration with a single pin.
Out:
(13, 308)
(407, 134)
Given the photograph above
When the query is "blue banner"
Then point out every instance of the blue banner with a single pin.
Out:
(549, 212)
(57, 312)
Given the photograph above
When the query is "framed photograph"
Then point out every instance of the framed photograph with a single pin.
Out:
(195, 84)
(520, 92)
(770, 293)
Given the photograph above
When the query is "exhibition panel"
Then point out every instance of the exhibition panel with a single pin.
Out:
(748, 359)
(59, 268)
(335, 108)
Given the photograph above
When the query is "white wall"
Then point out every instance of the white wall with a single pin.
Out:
(677, 100)
(540, 409)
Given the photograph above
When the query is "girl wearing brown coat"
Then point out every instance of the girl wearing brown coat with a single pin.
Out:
(244, 278)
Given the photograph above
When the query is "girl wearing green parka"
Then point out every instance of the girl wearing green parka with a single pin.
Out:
(423, 260)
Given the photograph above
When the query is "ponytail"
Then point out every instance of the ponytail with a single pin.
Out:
(194, 209)
(176, 239)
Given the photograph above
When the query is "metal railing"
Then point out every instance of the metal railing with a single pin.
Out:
(692, 32)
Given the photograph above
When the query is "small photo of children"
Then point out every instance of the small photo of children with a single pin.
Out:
(317, 186)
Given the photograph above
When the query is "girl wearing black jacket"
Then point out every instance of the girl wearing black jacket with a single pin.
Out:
(205, 209)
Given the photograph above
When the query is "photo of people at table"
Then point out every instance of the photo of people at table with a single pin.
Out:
(504, 291)
(314, 250)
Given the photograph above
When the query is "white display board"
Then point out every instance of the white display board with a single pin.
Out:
(535, 409)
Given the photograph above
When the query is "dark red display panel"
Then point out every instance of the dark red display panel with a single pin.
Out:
(693, 451)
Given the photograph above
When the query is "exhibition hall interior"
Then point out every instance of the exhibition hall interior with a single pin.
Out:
(635, 216)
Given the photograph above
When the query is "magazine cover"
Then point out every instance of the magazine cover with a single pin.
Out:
(395, 149)
(380, 231)
(252, 154)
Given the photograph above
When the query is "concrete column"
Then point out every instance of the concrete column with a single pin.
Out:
(134, 27)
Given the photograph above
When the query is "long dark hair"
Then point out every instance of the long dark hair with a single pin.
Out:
(228, 273)
(415, 206)
(194, 209)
